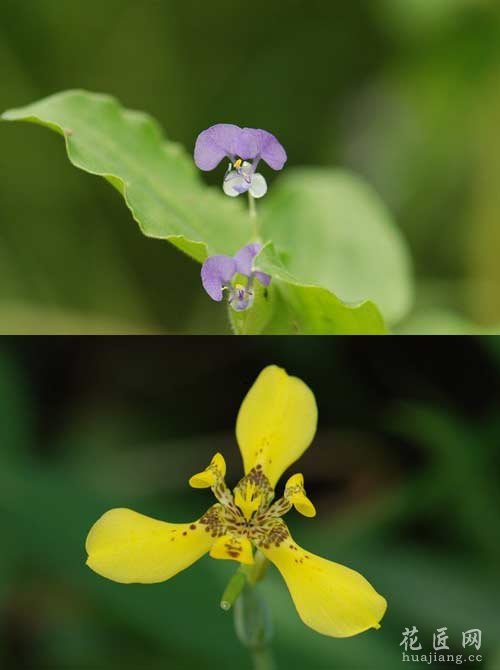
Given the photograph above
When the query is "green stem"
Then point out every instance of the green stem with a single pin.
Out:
(262, 658)
(253, 215)
(258, 569)
(252, 620)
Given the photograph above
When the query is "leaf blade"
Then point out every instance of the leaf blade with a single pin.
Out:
(334, 231)
(157, 178)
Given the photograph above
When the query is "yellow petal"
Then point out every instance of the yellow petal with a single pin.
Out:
(303, 505)
(216, 470)
(330, 598)
(128, 547)
(233, 548)
(276, 422)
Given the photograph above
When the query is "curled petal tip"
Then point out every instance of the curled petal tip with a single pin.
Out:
(305, 507)
(296, 494)
(295, 480)
(202, 480)
(213, 472)
(219, 463)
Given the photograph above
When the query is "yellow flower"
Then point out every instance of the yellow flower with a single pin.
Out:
(276, 424)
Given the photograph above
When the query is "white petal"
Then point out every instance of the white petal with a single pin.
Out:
(246, 168)
(233, 179)
(258, 187)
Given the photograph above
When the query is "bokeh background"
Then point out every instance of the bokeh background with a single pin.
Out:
(404, 472)
(404, 92)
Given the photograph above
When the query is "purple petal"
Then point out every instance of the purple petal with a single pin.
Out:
(226, 139)
(244, 258)
(216, 272)
(264, 279)
(260, 143)
(213, 144)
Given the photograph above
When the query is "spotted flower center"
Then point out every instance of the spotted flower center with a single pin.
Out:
(247, 516)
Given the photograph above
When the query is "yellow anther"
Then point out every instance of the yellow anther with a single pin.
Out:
(238, 163)
(296, 494)
(216, 470)
(248, 501)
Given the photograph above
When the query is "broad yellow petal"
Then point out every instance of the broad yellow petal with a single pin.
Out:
(276, 422)
(330, 598)
(128, 547)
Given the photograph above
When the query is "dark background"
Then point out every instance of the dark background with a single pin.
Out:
(404, 472)
(404, 92)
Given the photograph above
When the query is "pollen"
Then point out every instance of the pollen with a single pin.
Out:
(238, 163)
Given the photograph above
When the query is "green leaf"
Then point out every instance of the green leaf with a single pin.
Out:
(288, 307)
(157, 178)
(333, 231)
(439, 320)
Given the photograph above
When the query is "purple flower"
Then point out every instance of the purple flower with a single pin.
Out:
(218, 272)
(239, 145)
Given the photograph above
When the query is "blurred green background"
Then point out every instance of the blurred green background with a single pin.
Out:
(404, 92)
(404, 472)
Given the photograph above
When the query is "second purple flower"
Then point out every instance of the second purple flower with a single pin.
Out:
(219, 272)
